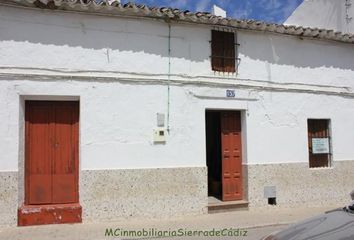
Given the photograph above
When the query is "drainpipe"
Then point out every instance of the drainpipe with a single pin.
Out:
(169, 76)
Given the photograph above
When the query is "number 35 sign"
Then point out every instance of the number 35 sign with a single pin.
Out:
(230, 93)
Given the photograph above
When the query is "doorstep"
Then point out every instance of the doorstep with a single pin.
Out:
(215, 205)
(49, 214)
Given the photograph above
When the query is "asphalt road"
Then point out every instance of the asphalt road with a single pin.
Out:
(259, 233)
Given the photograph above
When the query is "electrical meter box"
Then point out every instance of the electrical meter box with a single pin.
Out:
(160, 135)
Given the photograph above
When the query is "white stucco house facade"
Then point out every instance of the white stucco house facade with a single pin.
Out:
(112, 111)
(324, 14)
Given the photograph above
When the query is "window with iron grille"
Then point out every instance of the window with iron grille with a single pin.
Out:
(223, 57)
(319, 143)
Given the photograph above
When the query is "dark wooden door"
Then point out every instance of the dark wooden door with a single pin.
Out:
(318, 129)
(52, 131)
(231, 150)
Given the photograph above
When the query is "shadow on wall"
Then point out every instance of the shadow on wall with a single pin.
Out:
(94, 32)
(302, 53)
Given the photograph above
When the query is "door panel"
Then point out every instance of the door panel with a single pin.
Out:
(51, 152)
(64, 188)
(64, 164)
(64, 169)
(231, 156)
(38, 153)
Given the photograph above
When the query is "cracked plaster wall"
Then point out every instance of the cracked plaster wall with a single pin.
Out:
(282, 81)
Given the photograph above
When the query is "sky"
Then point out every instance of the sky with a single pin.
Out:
(276, 11)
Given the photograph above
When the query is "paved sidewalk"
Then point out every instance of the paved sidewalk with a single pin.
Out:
(96, 231)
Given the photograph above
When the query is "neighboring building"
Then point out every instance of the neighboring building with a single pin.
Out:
(336, 15)
(115, 111)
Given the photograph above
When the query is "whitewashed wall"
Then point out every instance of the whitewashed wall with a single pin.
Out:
(118, 69)
(327, 14)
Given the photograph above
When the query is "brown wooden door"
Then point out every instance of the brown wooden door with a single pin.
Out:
(231, 151)
(52, 130)
(318, 128)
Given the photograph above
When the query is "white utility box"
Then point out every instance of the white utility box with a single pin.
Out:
(160, 135)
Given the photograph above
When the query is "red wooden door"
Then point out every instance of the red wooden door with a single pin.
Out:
(231, 151)
(52, 130)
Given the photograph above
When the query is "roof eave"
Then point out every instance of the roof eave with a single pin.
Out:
(114, 8)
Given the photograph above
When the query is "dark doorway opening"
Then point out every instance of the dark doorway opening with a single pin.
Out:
(224, 154)
(213, 153)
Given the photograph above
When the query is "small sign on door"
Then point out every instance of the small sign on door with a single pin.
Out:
(320, 145)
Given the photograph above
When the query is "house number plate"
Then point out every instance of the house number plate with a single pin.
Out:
(230, 93)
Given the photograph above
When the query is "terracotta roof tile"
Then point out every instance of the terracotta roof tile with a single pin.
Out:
(113, 7)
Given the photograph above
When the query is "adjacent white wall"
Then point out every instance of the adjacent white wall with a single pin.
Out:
(118, 68)
(327, 14)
